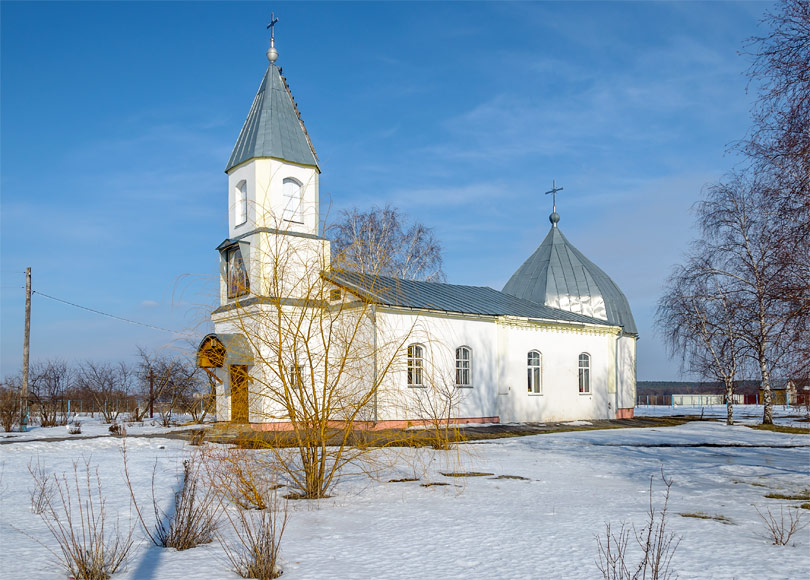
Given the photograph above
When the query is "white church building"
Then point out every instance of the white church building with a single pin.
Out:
(557, 343)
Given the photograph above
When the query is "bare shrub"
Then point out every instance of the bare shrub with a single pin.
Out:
(9, 407)
(74, 427)
(77, 519)
(193, 518)
(42, 491)
(781, 529)
(242, 477)
(656, 543)
(258, 533)
(117, 428)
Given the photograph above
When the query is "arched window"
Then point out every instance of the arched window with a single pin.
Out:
(240, 204)
(584, 373)
(464, 366)
(533, 368)
(293, 197)
(415, 365)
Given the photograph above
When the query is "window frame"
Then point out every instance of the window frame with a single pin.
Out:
(416, 365)
(534, 372)
(240, 204)
(294, 214)
(584, 373)
(461, 369)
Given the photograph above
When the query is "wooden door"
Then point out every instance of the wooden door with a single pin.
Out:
(239, 393)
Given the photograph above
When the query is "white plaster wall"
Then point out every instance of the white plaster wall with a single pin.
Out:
(440, 336)
(500, 367)
(264, 179)
(627, 372)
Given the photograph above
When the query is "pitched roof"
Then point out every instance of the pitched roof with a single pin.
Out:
(449, 298)
(273, 127)
(560, 276)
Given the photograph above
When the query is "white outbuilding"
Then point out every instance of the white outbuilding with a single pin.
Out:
(557, 343)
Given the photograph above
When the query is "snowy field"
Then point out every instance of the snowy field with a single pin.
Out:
(745, 414)
(541, 527)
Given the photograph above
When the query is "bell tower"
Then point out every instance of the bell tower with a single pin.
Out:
(272, 190)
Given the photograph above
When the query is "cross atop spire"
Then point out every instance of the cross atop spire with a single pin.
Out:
(272, 53)
(554, 217)
(272, 25)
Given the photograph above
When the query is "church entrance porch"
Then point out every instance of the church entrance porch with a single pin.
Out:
(227, 358)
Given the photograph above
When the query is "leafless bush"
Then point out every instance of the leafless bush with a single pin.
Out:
(49, 383)
(117, 428)
(656, 543)
(194, 517)
(77, 519)
(74, 427)
(781, 529)
(9, 407)
(241, 477)
(258, 533)
(42, 491)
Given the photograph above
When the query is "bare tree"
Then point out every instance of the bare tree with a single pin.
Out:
(319, 357)
(699, 319)
(743, 240)
(106, 385)
(781, 68)
(170, 381)
(779, 147)
(382, 241)
(9, 405)
(50, 381)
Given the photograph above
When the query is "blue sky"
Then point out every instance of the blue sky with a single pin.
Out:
(118, 119)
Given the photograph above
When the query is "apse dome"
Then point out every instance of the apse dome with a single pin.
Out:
(560, 276)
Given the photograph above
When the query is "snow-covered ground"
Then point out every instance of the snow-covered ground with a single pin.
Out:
(95, 427)
(745, 414)
(543, 526)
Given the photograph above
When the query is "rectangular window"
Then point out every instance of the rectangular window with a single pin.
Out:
(463, 366)
(237, 276)
(415, 365)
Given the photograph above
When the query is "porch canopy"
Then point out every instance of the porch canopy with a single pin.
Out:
(218, 350)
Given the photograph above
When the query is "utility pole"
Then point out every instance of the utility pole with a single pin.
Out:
(26, 343)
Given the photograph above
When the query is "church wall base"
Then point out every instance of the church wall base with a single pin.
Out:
(378, 426)
(624, 413)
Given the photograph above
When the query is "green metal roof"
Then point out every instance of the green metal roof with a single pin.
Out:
(480, 300)
(273, 127)
(560, 276)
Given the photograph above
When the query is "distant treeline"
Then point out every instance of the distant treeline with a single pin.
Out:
(686, 387)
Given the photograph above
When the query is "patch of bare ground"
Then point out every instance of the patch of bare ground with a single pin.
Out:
(704, 516)
(783, 429)
(466, 474)
(244, 436)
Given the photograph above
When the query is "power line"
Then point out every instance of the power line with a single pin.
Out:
(110, 315)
